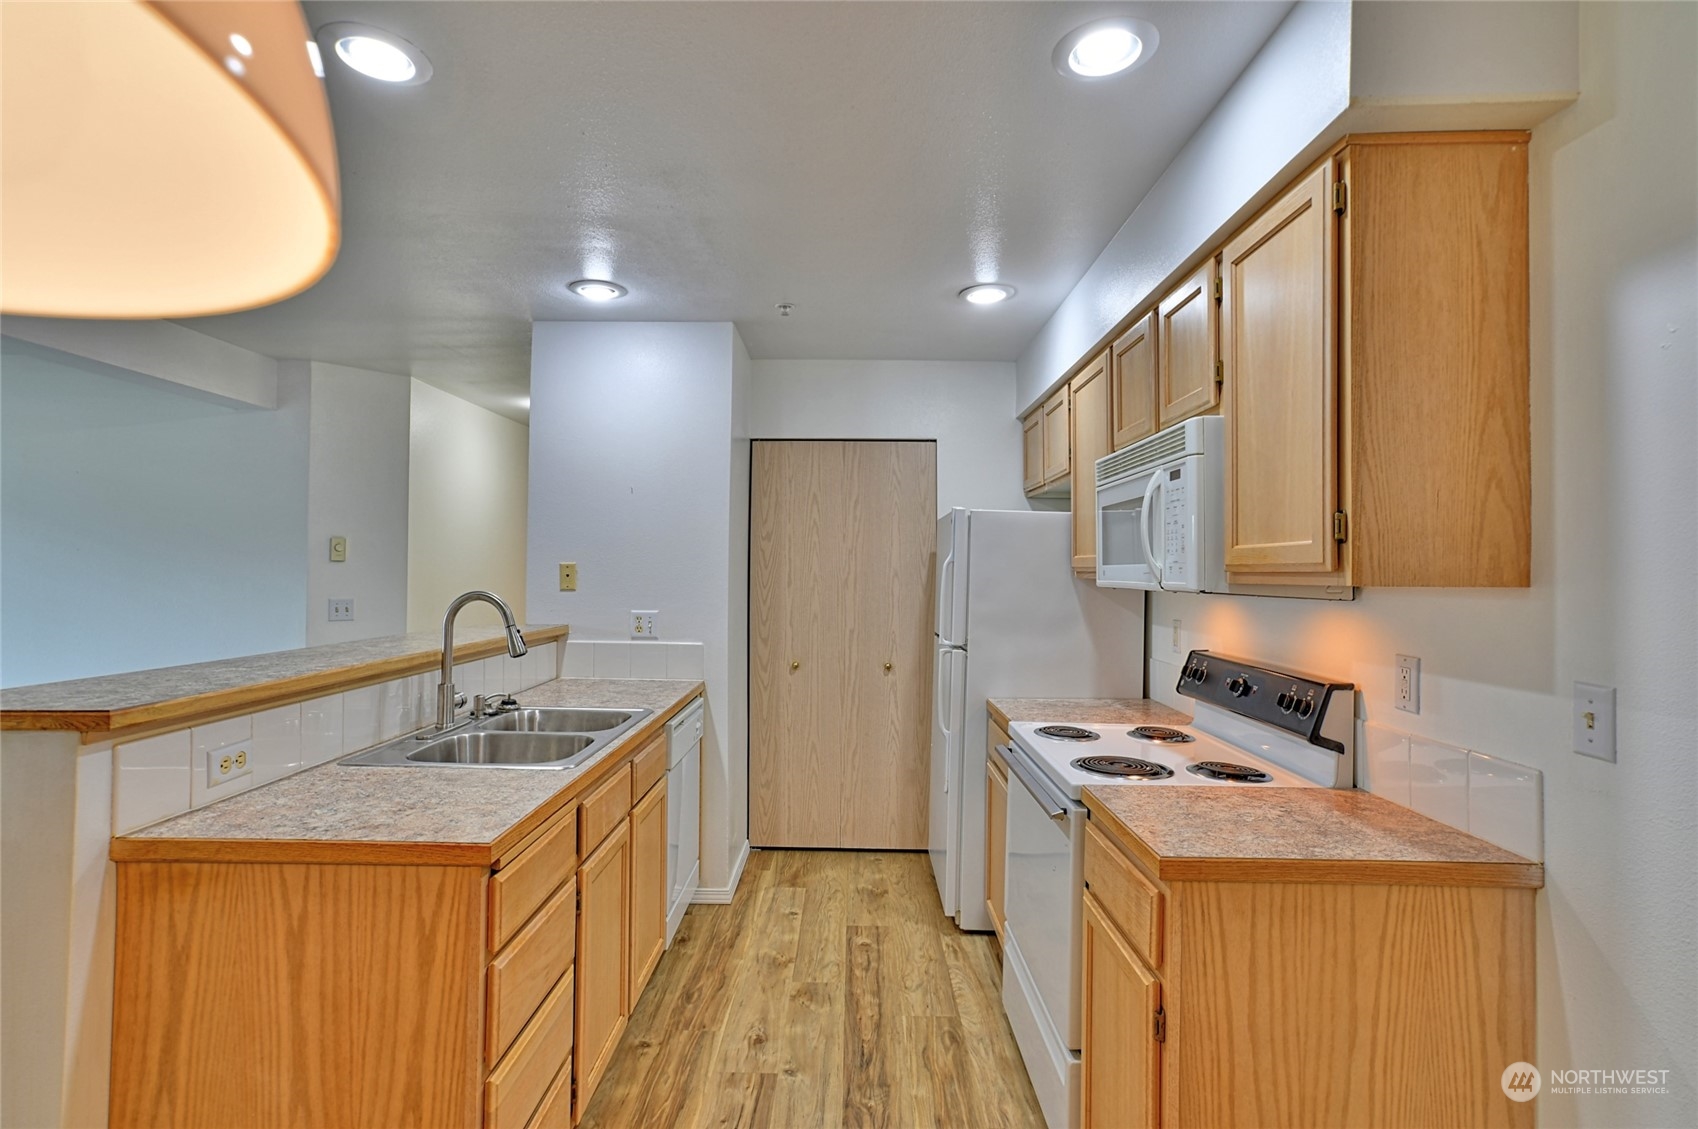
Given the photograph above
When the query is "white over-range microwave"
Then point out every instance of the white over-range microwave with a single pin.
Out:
(1161, 516)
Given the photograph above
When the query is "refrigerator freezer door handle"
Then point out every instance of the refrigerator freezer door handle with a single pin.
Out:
(941, 705)
(945, 591)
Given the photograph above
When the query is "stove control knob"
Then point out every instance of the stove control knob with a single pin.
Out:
(1197, 672)
(1287, 701)
(1306, 706)
(1238, 686)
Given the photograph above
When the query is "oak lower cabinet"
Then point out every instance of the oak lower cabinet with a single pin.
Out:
(648, 882)
(1374, 347)
(996, 827)
(1091, 418)
(604, 933)
(1356, 995)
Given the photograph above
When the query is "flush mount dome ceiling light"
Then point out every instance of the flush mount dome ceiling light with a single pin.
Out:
(377, 54)
(161, 159)
(988, 293)
(597, 290)
(1105, 47)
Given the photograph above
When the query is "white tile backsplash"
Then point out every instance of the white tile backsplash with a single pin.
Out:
(1506, 804)
(540, 664)
(513, 673)
(613, 660)
(468, 680)
(1386, 766)
(222, 733)
(361, 725)
(277, 743)
(578, 660)
(230, 738)
(648, 660)
(152, 780)
(1438, 781)
(321, 730)
(686, 660)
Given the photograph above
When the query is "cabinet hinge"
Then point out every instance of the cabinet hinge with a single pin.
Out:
(1161, 1025)
(1217, 291)
(1220, 373)
(1340, 196)
(1340, 526)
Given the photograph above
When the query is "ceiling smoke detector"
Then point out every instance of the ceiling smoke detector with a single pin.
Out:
(784, 309)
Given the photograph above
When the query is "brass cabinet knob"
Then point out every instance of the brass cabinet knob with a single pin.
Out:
(887, 668)
(795, 664)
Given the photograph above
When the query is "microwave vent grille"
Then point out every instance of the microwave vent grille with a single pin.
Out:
(1164, 446)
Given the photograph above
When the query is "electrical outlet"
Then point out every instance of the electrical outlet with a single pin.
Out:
(225, 765)
(1407, 696)
(341, 610)
(643, 624)
(568, 576)
(1594, 721)
(1176, 636)
(338, 549)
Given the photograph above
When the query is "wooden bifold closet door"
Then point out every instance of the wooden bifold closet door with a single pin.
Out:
(842, 540)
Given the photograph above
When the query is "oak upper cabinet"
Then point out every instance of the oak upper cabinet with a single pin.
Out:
(1374, 343)
(1091, 416)
(1032, 428)
(996, 827)
(648, 885)
(1121, 1066)
(1132, 364)
(1188, 336)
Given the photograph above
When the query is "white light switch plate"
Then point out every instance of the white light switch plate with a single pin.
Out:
(1594, 720)
(341, 610)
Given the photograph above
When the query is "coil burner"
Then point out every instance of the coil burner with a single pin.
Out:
(1160, 734)
(1067, 733)
(1124, 766)
(1237, 773)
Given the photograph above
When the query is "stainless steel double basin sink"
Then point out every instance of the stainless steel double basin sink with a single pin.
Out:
(523, 738)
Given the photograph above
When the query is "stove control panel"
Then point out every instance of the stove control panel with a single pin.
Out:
(1296, 703)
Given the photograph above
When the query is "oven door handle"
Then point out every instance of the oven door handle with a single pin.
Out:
(1054, 806)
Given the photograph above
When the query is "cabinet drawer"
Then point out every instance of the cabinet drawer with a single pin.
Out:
(535, 960)
(995, 735)
(517, 889)
(648, 766)
(515, 1088)
(604, 809)
(1131, 900)
(556, 1109)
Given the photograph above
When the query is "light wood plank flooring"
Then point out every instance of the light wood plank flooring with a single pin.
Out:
(831, 992)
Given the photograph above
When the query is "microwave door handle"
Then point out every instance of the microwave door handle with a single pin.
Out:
(1144, 539)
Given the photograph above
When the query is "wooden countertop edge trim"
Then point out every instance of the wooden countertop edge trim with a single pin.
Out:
(177, 713)
(1350, 872)
(390, 852)
(997, 715)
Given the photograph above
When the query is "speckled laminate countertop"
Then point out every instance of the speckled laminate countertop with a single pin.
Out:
(1297, 835)
(178, 694)
(1085, 711)
(365, 813)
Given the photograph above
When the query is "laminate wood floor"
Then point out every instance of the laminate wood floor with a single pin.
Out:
(831, 992)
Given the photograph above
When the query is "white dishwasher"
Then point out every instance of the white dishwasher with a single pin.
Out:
(683, 813)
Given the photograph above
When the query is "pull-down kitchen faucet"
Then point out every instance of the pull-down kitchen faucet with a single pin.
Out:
(515, 647)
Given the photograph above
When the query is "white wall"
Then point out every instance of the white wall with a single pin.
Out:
(964, 405)
(356, 488)
(631, 472)
(467, 472)
(1613, 600)
(143, 524)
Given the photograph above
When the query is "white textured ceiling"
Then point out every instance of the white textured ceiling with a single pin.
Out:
(864, 161)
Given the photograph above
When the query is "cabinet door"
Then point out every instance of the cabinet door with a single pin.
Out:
(1189, 339)
(1057, 455)
(648, 887)
(996, 839)
(1134, 370)
(604, 914)
(1092, 418)
(1033, 440)
(1121, 1067)
(1281, 403)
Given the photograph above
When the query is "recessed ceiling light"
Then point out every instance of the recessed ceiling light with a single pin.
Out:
(597, 290)
(1105, 47)
(988, 293)
(377, 54)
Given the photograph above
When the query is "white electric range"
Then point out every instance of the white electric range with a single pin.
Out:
(1254, 727)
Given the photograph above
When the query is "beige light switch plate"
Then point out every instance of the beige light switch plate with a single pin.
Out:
(338, 549)
(568, 576)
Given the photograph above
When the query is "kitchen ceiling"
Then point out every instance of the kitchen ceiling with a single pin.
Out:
(863, 161)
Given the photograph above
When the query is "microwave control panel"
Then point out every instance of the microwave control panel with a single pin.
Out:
(1178, 537)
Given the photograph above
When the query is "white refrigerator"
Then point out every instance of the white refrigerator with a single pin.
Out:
(1012, 622)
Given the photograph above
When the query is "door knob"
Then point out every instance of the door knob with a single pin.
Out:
(887, 668)
(795, 664)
